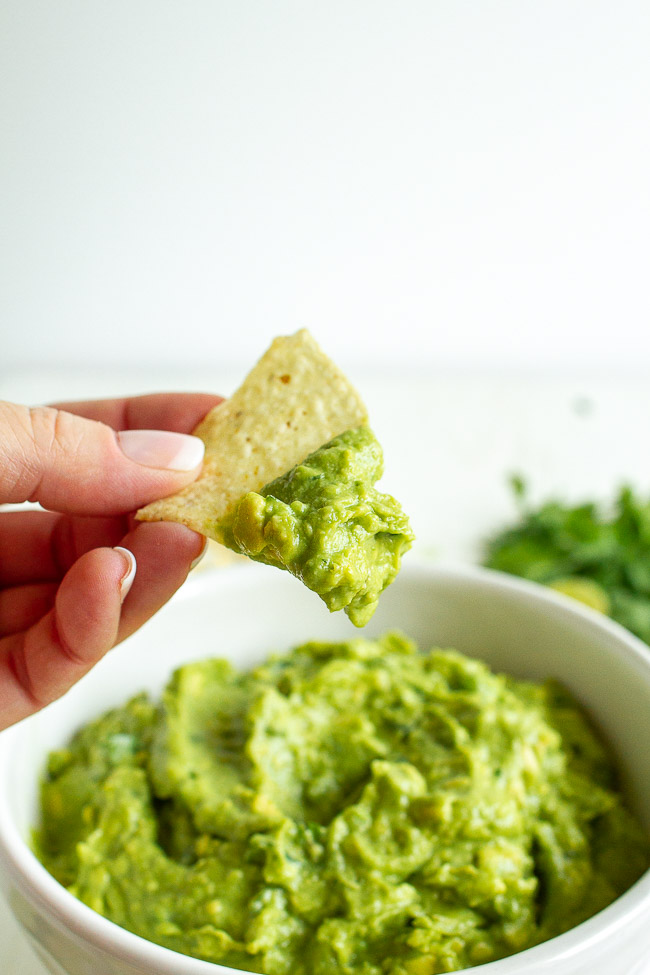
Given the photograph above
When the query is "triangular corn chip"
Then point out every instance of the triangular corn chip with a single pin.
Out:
(291, 403)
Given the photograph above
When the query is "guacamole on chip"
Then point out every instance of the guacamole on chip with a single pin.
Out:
(327, 524)
(353, 808)
(288, 479)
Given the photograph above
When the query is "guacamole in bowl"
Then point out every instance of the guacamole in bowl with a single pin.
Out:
(353, 807)
(250, 614)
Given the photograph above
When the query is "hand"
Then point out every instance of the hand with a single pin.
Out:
(63, 583)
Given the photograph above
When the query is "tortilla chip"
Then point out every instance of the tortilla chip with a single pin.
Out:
(291, 403)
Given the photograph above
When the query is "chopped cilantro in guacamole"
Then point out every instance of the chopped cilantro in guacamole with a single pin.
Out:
(326, 523)
(599, 555)
(348, 809)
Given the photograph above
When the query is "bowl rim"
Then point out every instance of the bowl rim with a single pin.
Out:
(71, 915)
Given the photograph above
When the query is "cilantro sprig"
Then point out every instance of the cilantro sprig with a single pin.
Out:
(600, 554)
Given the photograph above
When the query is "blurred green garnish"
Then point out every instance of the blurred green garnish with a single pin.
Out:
(597, 555)
(585, 591)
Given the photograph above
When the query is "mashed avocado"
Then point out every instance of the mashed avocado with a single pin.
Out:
(326, 523)
(348, 809)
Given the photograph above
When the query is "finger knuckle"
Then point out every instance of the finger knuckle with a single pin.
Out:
(50, 430)
(33, 435)
(19, 457)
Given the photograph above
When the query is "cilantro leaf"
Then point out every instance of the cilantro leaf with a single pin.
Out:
(606, 545)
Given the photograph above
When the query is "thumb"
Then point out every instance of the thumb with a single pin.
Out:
(79, 466)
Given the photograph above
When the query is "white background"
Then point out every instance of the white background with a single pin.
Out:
(441, 182)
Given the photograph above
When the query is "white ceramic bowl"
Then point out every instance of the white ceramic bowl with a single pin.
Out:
(246, 612)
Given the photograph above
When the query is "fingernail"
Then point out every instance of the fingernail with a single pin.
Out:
(196, 561)
(127, 579)
(162, 449)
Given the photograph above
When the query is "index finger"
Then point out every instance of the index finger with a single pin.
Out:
(179, 412)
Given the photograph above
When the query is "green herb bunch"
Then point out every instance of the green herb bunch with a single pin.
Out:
(601, 556)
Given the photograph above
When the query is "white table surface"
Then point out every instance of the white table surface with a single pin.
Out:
(450, 442)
